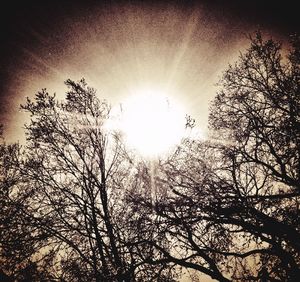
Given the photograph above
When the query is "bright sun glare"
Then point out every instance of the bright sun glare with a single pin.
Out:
(152, 123)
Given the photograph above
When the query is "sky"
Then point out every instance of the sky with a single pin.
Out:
(180, 47)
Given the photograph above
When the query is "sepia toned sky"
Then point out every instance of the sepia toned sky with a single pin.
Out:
(180, 47)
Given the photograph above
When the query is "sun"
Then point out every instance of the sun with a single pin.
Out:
(151, 122)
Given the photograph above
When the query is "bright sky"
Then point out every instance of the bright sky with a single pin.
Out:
(128, 47)
(180, 49)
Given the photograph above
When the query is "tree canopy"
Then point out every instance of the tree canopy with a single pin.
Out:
(78, 205)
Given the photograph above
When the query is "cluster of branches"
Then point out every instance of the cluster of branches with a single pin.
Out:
(77, 204)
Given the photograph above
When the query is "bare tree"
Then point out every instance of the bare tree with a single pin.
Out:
(79, 176)
(20, 242)
(258, 111)
(227, 207)
(231, 208)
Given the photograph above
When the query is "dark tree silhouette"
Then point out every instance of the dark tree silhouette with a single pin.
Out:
(19, 241)
(78, 206)
(78, 175)
(258, 112)
(231, 208)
